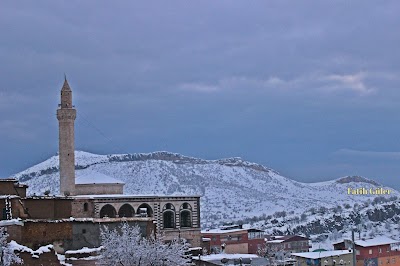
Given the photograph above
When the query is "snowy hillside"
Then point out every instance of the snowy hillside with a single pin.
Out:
(231, 189)
(380, 216)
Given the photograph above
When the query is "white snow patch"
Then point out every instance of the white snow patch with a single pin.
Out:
(322, 254)
(87, 176)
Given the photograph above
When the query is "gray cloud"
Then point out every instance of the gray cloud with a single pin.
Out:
(278, 82)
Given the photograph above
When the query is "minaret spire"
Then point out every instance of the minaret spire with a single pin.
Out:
(66, 115)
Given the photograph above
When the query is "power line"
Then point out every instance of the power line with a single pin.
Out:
(85, 119)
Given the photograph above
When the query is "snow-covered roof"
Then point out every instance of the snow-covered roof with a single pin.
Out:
(227, 256)
(8, 180)
(377, 241)
(8, 196)
(93, 177)
(11, 222)
(195, 248)
(101, 196)
(276, 241)
(15, 246)
(90, 220)
(322, 254)
(84, 250)
(225, 230)
(222, 231)
(288, 238)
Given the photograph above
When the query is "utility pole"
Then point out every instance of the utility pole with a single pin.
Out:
(354, 247)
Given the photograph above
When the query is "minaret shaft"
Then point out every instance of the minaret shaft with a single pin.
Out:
(66, 115)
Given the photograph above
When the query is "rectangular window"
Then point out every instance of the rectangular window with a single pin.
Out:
(370, 252)
(380, 250)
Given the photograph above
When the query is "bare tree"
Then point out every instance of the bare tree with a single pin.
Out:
(125, 246)
(7, 255)
(269, 251)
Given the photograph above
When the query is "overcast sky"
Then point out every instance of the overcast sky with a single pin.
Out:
(308, 88)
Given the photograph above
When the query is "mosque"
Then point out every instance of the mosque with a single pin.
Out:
(73, 219)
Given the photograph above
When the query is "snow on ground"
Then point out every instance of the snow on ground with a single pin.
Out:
(35, 253)
(322, 254)
(84, 250)
(92, 177)
(230, 189)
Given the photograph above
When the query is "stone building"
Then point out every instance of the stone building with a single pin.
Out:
(96, 195)
(90, 200)
(66, 115)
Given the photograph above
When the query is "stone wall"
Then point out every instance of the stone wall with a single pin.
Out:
(87, 234)
(192, 235)
(12, 187)
(37, 234)
(7, 188)
(71, 234)
(48, 208)
(47, 258)
(82, 208)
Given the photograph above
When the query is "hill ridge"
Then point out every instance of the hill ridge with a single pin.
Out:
(230, 188)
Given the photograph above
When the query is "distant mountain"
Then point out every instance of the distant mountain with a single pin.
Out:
(230, 189)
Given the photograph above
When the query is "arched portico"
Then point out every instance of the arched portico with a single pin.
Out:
(108, 211)
(126, 210)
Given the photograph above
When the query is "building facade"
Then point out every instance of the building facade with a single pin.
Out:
(89, 201)
(234, 239)
(378, 251)
(324, 258)
(289, 243)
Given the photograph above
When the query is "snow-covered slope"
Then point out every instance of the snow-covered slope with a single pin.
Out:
(231, 188)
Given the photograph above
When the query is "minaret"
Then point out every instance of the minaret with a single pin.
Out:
(66, 115)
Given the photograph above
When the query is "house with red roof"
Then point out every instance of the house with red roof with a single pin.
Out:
(378, 251)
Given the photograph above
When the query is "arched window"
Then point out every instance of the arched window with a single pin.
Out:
(85, 207)
(169, 206)
(169, 219)
(169, 215)
(126, 210)
(145, 210)
(185, 206)
(186, 218)
(108, 211)
(185, 215)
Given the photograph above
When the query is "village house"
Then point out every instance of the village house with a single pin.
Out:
(378, 251)
(324, 258)
(234, 239)
(288, 244)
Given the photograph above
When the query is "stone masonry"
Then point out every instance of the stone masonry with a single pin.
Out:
(66, 115)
